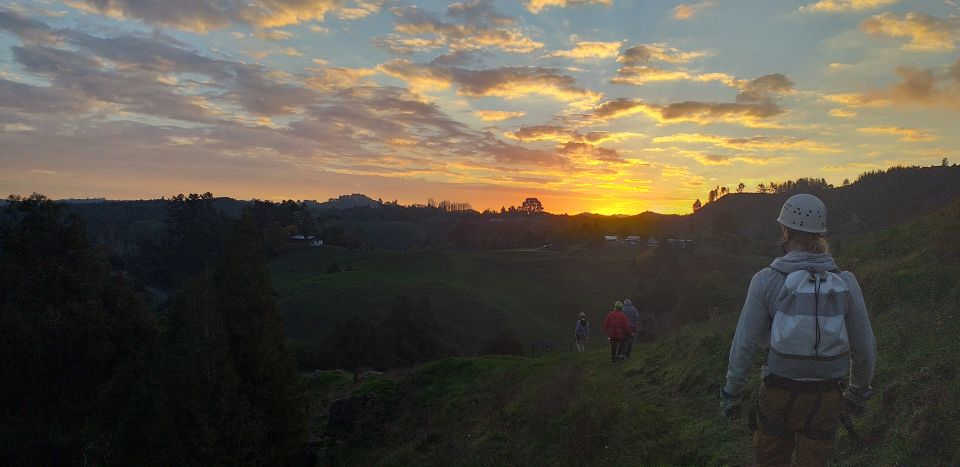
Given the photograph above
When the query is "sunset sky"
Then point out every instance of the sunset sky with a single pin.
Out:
(608, 106)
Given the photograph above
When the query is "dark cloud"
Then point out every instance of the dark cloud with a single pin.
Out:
(954, 71)
(506, 82)
(157, 54)
(615, 108)
(607, 155)
(518, 155)
(708, 111)
(636, 55)
(263, 96)
(36, 99)
(517, 81)
(135, 91)
(457, 58)
(925, 86)
(919, 85)
(28, 29)
(765, 88)
(756, 101)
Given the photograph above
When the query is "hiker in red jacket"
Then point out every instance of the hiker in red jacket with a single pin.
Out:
(617, 327)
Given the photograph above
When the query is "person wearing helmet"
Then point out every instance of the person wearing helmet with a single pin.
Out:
(633, 318)
(814, 321)
(582, 332)
(617, 328)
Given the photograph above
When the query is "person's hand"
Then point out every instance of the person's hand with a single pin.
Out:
(855, 401)
(729, 405)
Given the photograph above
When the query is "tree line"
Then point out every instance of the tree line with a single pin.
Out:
(93, 375)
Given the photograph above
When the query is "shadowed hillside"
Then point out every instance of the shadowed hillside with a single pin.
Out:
(876, 200)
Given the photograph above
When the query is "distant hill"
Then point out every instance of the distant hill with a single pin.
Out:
(355, 200)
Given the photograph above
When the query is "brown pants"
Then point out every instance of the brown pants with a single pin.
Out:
(797, 432)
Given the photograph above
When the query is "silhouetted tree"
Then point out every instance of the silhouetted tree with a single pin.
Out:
(72, 335)
(413, 334)
(195, 232)
(697, 205)
(531, 206)
(359, 344)
(740, 187)
(238, 397)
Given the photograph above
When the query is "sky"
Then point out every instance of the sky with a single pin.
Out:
(605, 106)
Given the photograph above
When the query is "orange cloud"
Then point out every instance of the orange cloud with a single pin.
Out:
(418, 76)
(926, 33)
(683, 12)
(842, 113)
(589, 50)
(836, 6)
(564, 135)
(909, 135)
(536, 6)
(715, 159)
(753, 143)
(639, 75)
(202, 16)
(497, 115)
(273, 34)
(338, 77)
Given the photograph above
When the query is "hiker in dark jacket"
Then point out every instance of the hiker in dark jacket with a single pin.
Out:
(633, 318)
(582, 332)
(815, 322)
(617, 327)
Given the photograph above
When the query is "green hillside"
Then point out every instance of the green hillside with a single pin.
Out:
(535, 293)
(660, 407)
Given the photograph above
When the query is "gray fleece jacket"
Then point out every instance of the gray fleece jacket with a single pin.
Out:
(753, 330)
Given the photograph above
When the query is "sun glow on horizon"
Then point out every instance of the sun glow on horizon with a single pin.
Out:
(609, 107)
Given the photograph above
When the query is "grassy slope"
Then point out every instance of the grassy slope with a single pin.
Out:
(537, 294)
(660, 407)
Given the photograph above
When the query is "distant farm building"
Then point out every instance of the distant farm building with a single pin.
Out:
(611, 238)
(634, 239)
(652, 242)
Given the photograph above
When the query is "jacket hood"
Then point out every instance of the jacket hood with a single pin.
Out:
(803, 260)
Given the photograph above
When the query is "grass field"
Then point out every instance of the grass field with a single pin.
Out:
(660, 406)
(535, 293)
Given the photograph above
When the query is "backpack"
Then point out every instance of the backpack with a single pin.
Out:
(808, 321)
(582, 326)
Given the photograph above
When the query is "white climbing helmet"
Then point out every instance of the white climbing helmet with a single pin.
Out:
(805, 213)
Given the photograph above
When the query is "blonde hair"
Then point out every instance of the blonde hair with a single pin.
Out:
(806, 241)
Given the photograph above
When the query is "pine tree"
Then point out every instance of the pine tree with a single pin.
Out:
(68, 328)
(267, 375)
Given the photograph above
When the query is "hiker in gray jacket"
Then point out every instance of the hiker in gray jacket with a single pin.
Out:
(813, 320)
(581, 332)
(634, 318)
